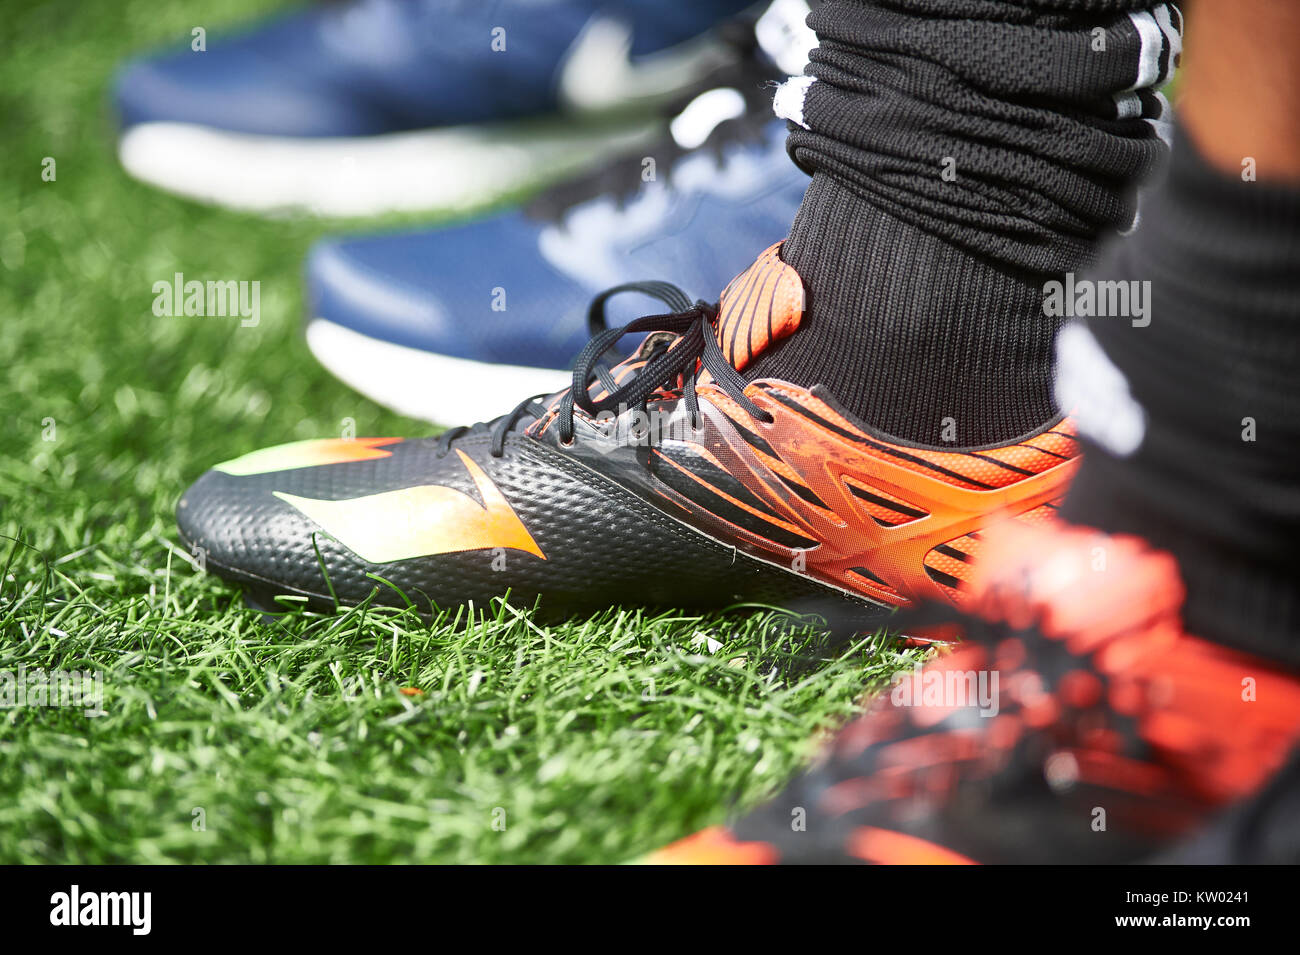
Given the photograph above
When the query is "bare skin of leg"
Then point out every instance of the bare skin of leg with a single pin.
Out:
(1240, 94)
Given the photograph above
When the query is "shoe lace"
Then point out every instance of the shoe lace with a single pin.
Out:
(679, 344)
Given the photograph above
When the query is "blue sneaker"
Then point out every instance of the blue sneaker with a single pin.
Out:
(365, 106)
(437, 324)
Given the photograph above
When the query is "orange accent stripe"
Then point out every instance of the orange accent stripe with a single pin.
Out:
(761, 515)
(421, 521)
(884, 515)
(713, 846)
(308, 454)
(965, 468)
(760, 305)
(886, 847)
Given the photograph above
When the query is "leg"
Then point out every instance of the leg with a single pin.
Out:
(1209, 471)
(962, 154)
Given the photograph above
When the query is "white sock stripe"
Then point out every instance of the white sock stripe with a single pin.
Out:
(1173, 37)
(1152, 40)
(1164, 15)
(1175, 13)
(1127, 106)
(788, 101)
(1158, 39)
(1162, 124)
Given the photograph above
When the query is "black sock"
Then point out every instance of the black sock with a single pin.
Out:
(964, 152)
(920, 338)
(1192, 422)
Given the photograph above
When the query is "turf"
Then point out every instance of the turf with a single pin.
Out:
(227, 736)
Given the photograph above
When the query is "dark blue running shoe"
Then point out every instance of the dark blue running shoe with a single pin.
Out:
(437, 324)
(370, 105)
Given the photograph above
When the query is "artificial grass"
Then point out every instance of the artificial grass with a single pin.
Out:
(367, 736)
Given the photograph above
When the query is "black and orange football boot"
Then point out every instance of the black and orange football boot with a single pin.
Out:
(665, 480)
(1077, 722)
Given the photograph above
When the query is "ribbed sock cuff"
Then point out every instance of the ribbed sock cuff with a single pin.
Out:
(1016, 131)
(922, 340)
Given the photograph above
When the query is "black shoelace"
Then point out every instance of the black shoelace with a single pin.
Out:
(679, 343)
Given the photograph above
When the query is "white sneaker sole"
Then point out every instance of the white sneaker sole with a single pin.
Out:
(427, 170)
(420, 384)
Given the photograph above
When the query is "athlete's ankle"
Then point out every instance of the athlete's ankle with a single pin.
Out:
(922, 340)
